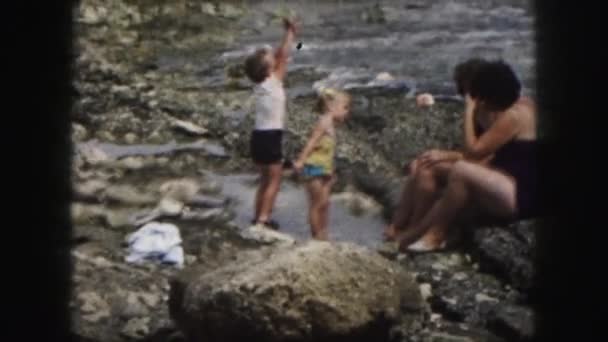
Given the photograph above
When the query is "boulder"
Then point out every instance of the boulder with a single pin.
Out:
(514, 322)
(507, 252)
(316, 291)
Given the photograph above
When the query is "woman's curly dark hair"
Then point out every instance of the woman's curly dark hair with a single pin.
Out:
(464, 72)
(496, 84)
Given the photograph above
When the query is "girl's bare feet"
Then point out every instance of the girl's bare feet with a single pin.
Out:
(321, 236)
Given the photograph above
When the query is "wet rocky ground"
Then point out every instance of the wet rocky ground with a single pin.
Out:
(161, 126)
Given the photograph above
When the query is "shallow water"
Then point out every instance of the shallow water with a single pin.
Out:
(291, 211)
(420, 41)
(115, 151)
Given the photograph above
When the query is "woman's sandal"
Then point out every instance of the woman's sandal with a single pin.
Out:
(421, 246)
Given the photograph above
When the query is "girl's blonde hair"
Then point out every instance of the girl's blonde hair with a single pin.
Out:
(326, 96)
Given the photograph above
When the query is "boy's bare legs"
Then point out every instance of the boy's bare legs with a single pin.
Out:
(268, 190)
(263, 185)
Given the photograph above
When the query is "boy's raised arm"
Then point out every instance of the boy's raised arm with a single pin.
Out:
(282, 52)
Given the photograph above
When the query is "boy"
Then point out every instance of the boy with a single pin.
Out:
(267, 69)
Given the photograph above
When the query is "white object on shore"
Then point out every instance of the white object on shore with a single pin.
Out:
(425, 100)
(156, 241)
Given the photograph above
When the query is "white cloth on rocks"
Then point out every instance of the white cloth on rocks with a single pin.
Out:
(156, 241)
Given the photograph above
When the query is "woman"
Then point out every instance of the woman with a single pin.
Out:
(425, 178)
(496, 172)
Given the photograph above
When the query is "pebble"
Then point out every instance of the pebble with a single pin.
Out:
(150, 299)
(94, 306)
(136, 327)
(425, 291)
(134, 306)
(79, 132)
(132, 163)
(460, 276)
(190, 259)
(482, 297)
(130, 138)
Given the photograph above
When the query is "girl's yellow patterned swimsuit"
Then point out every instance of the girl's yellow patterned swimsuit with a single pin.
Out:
(320, 163)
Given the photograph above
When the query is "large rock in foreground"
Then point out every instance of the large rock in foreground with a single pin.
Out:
(312, 292)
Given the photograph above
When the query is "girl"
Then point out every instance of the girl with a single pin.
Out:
(316, 161)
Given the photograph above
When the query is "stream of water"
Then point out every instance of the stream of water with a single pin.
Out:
(291, 211)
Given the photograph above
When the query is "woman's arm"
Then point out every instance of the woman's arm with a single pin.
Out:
(282, 52)
(501, 131)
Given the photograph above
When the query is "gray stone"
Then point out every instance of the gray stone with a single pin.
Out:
(443, 337)
(117, 218)
(83, 214)
(133, 306)
(136, 327)
(128, 194)
(130, 138)
(93, 307)
(79, 132)
(182, 190)
(188, 127)
(89, 189)
(229, 11)
(315, 291)
(515, 323)
(507, 252)
(208, 8)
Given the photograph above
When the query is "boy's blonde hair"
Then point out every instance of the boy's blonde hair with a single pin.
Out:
(328, 95)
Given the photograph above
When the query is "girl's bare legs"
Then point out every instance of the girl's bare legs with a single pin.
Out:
(324, 207)
(494, 191)
(316, 207)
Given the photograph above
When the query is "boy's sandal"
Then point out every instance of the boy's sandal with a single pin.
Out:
(271, 224)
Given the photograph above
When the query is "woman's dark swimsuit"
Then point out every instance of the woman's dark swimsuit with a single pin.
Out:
(519, 159)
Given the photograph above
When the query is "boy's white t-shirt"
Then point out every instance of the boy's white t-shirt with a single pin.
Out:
(269, 104)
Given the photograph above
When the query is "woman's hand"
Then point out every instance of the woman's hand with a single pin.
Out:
(470, 104)
(431, 157)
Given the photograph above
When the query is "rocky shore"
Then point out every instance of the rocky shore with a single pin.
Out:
(163, 106)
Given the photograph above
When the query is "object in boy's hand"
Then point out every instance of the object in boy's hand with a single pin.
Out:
(425, 100)
(299, 46)
(291, 24)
